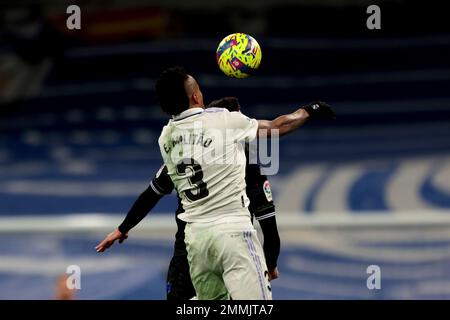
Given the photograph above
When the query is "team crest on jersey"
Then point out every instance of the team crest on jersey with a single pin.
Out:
(267, 190)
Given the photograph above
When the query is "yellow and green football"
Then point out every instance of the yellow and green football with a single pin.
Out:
(238, 55)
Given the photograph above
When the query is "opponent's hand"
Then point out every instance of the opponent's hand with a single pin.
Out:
(110, 239)
(273, 274)
(319, 110)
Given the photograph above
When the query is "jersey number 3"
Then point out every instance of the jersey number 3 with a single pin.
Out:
(195, 180)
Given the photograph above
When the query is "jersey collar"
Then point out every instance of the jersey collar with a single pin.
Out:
(187, 113)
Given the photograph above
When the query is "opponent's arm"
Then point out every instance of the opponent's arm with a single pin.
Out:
(159, 186)
(141, 207)
(289, 122)
(271, 245)
(144, 203)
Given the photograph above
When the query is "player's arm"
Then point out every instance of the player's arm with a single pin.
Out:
(144, 203)
(271, 244)
(289, 122)
(158, 187)
(263, 209)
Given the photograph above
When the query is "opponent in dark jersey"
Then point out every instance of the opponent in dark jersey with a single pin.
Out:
(261, 206)
(179, 284)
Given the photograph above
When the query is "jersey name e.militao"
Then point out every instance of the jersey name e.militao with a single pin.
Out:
(204, 153)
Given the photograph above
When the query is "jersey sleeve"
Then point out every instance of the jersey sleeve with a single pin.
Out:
(260, 194)
(263, 209)
(271, 244)
(161, 183)
(243, 127)
(141, 207)
(159, 186)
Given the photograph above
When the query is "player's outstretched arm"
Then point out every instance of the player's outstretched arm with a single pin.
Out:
(110, 239)
(283, 124)
(144, 203)
(289, 122)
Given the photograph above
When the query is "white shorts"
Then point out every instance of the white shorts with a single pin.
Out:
(226, 260)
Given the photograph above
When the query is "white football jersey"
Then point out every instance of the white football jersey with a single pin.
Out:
(204, 154)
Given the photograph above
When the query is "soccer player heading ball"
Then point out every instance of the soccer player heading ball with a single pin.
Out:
(205, 159)
(244, 263)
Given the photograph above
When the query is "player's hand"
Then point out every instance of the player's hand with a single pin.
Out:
(320, 110)
(110, 239)
(273, 274)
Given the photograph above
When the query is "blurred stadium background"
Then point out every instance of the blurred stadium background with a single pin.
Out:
(79, 124)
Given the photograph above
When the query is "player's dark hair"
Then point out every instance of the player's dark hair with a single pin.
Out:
(171, 91)
(230, 103)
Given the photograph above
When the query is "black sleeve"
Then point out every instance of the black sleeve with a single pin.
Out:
(141, 207)
(162, 183)
(159, 186)
(271, 240)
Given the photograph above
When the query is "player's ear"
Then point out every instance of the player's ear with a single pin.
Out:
(196, 98)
